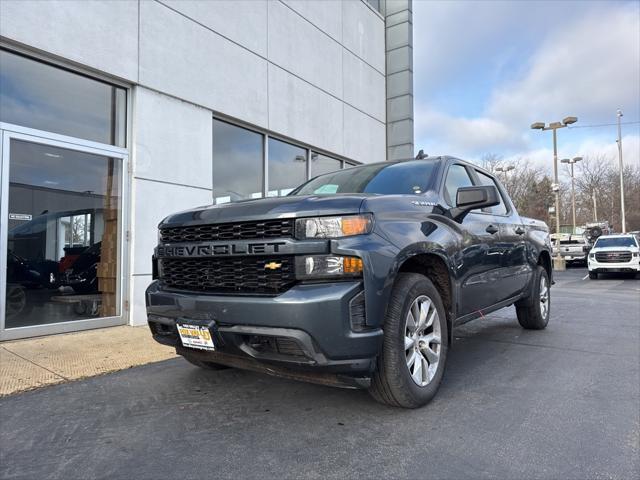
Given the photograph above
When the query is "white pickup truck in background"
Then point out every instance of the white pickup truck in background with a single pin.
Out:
(574, 248)
(614, 253)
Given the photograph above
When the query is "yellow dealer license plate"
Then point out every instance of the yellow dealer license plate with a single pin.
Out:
(196, 336)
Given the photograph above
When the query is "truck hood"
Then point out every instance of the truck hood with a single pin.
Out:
(269, 209)
(614, 249)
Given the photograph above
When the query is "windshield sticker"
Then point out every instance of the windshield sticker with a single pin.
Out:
(20, 216)
(326, 189)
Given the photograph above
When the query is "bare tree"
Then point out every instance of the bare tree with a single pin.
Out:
(595, 176)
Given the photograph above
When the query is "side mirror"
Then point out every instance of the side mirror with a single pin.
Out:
(473, 198)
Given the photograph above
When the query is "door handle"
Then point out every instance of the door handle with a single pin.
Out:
(520, 231)
(491, 229)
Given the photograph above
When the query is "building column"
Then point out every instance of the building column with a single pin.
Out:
(399, 78)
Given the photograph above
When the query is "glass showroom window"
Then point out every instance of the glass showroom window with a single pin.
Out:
(63, 238)
(321, 164)
(38, 95)
(63, 164)
(237, 163)
(287, 167)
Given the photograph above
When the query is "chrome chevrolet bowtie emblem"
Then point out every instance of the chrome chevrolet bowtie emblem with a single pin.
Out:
(272, 266)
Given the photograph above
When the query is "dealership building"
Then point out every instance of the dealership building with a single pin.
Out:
(114, 114)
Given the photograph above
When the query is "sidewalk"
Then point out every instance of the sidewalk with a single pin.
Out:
(37, 362)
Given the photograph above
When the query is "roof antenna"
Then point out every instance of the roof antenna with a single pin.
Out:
(421, 155)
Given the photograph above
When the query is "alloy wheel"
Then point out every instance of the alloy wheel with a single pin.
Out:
(544, 297)
(422, 340)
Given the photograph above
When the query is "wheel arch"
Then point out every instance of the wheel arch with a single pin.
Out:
(544, 259)
(435, 268)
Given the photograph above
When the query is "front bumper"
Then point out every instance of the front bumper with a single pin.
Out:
(574, 256)
(308, 327)
(601, 267)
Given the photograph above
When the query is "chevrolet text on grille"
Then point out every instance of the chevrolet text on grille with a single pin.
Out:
(219, 249)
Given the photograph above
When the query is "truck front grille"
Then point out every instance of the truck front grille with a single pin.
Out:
(266, 275)
(613, 257)
(228, 231)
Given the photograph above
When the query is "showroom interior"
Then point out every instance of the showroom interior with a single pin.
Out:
(107, 126)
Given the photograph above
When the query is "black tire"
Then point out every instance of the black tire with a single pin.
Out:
(529, 310)
(593, 275)
(204, 365)
(392, 383)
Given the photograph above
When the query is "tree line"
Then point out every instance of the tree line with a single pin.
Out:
(596, 177)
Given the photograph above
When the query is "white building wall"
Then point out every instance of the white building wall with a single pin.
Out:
(312, 71)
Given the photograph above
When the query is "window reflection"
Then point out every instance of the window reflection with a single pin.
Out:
(287, 167)
(63, 240)
(237, 163)
(375, 4)
(321, 164)
(499, 209)
(38, 95)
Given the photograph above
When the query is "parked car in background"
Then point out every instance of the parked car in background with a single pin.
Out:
(614, 253)
(82, 275)
(594, 230)
(574, 248)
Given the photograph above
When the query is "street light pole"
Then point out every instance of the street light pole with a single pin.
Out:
(558, 261)
(572, 162)
(623, 220)
(556, 189)
(573, 198)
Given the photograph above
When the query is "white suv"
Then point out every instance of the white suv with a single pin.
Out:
(614, 253)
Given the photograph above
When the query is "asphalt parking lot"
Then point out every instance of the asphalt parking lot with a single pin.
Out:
(560, 403)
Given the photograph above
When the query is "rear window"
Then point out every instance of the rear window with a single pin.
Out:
(616, 242)
(486, 180)
(413, 177)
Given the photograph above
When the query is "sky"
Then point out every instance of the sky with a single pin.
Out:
(484, 71)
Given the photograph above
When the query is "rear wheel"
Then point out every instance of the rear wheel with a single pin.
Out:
(533, 312)
(593, 275)
(414, 352)
(203, 364)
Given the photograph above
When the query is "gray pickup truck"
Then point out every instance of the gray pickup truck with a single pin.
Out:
(356, 278)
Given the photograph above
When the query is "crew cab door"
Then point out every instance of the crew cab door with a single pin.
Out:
(477, 260)
(514, 269)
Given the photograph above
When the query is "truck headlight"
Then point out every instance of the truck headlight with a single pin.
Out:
(592, 256)
(333, 227)
(327, 266)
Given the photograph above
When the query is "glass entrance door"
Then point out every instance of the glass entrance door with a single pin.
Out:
(62, 236)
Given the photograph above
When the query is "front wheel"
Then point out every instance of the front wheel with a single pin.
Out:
(533, 312)
(593, 275)
(414, 352)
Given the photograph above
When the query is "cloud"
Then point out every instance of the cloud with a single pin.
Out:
(581, 70)
(464, 134)
(585, 61)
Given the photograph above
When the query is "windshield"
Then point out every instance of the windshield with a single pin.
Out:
(615, 242)
(413, 177)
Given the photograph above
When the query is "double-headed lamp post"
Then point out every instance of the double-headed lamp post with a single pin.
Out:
(558, 261)
(572, 162)
(506, 169)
